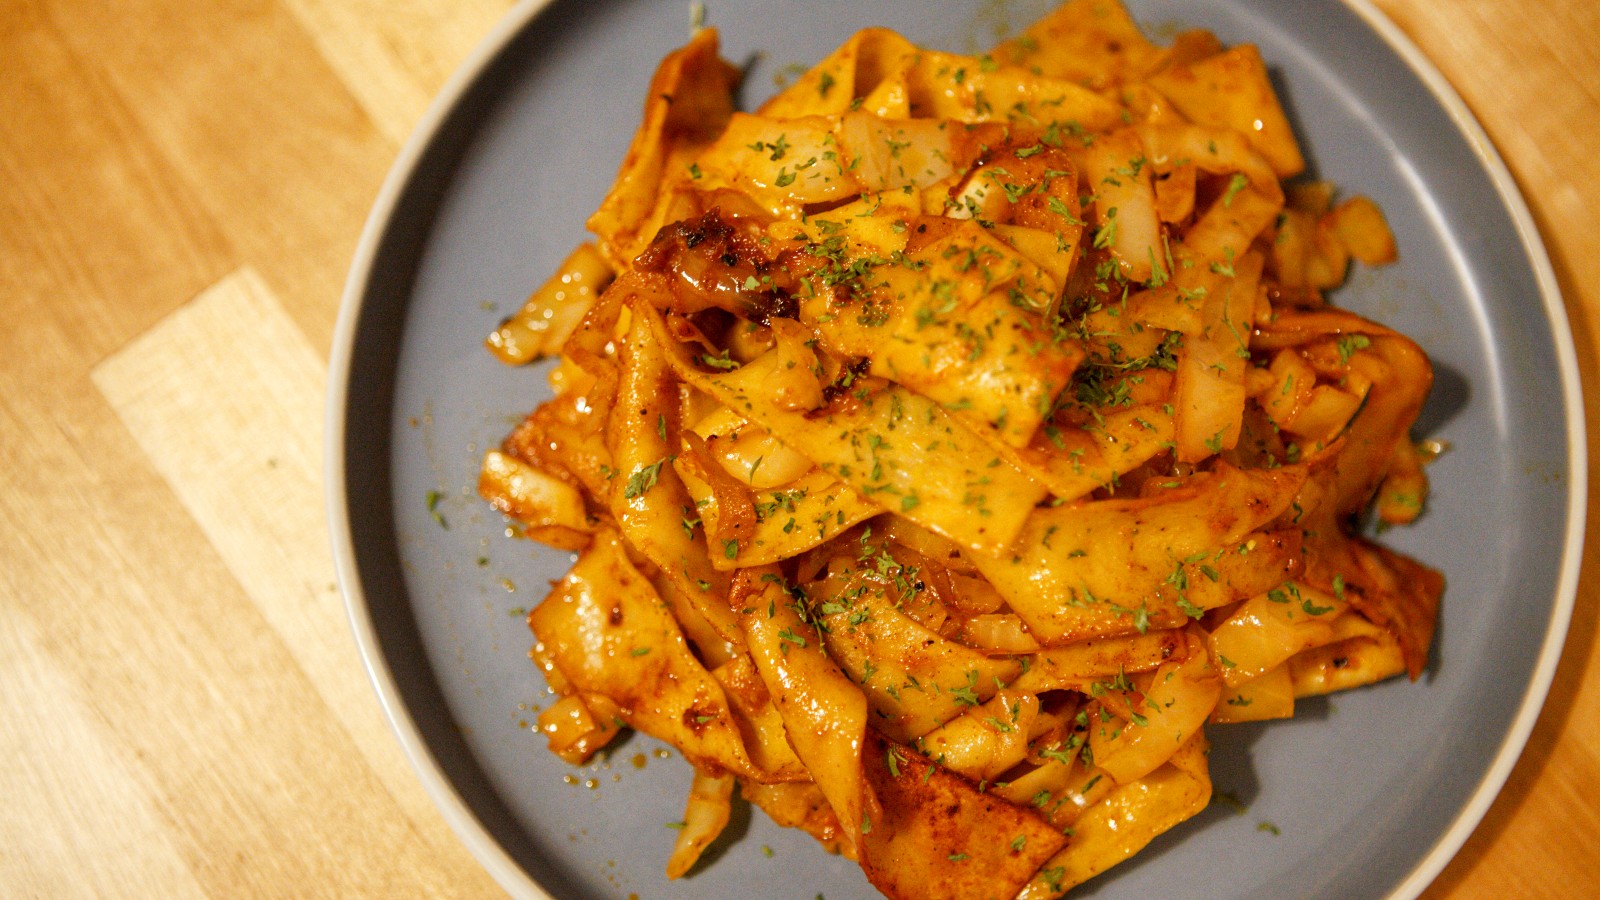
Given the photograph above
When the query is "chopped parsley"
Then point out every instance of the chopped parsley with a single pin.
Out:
(642, 480)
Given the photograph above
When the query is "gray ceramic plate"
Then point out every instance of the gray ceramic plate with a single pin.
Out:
(1365, 795)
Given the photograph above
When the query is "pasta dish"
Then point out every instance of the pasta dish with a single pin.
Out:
(948, 443)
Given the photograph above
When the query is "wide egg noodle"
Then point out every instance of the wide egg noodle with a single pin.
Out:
(823, 710)
(1003, 376)
(689, 102)
(1113, 567)
(896, 447)
(607, 632)
(1127, 819)
(647, 499)
(921, 845)
(789, 519)
(914, 679)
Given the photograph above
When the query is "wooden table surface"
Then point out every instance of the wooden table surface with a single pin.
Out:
(182, 183)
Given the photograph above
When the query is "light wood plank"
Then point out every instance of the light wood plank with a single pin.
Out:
(90, 207)
(225, 399)
(48, 852)
(258, 786)
(238, 101)
(393, 58)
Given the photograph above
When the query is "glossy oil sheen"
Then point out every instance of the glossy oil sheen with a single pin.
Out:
(1356, 789)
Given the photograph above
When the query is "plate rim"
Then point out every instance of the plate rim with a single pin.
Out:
(466, 825)
(1537, 691)
(468, 828)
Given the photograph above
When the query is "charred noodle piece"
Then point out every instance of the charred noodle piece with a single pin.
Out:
(689, 102)
(1393, 591)
(938, 836)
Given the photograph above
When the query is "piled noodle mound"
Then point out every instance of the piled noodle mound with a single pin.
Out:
(948, 443)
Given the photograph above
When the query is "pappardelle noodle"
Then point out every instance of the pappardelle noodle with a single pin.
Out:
(946, 444)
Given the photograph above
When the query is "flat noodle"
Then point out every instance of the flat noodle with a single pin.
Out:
(1126, 820)
(607, 632)
(920, 335)
(823, 711)
(647, 499)
(765, 738)
(871, 58)
(986, 740)
(1268, 696)
(896, 447)
(1093, 42)
(914, 679)
(1077, 572)
(688, 104)
(704, 817)
(1231, 91)
(922, 844)
(956, 439)
(789, 520)
(554, 311)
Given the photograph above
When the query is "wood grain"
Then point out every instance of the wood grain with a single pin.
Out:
(181, 188)
(241, 461)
